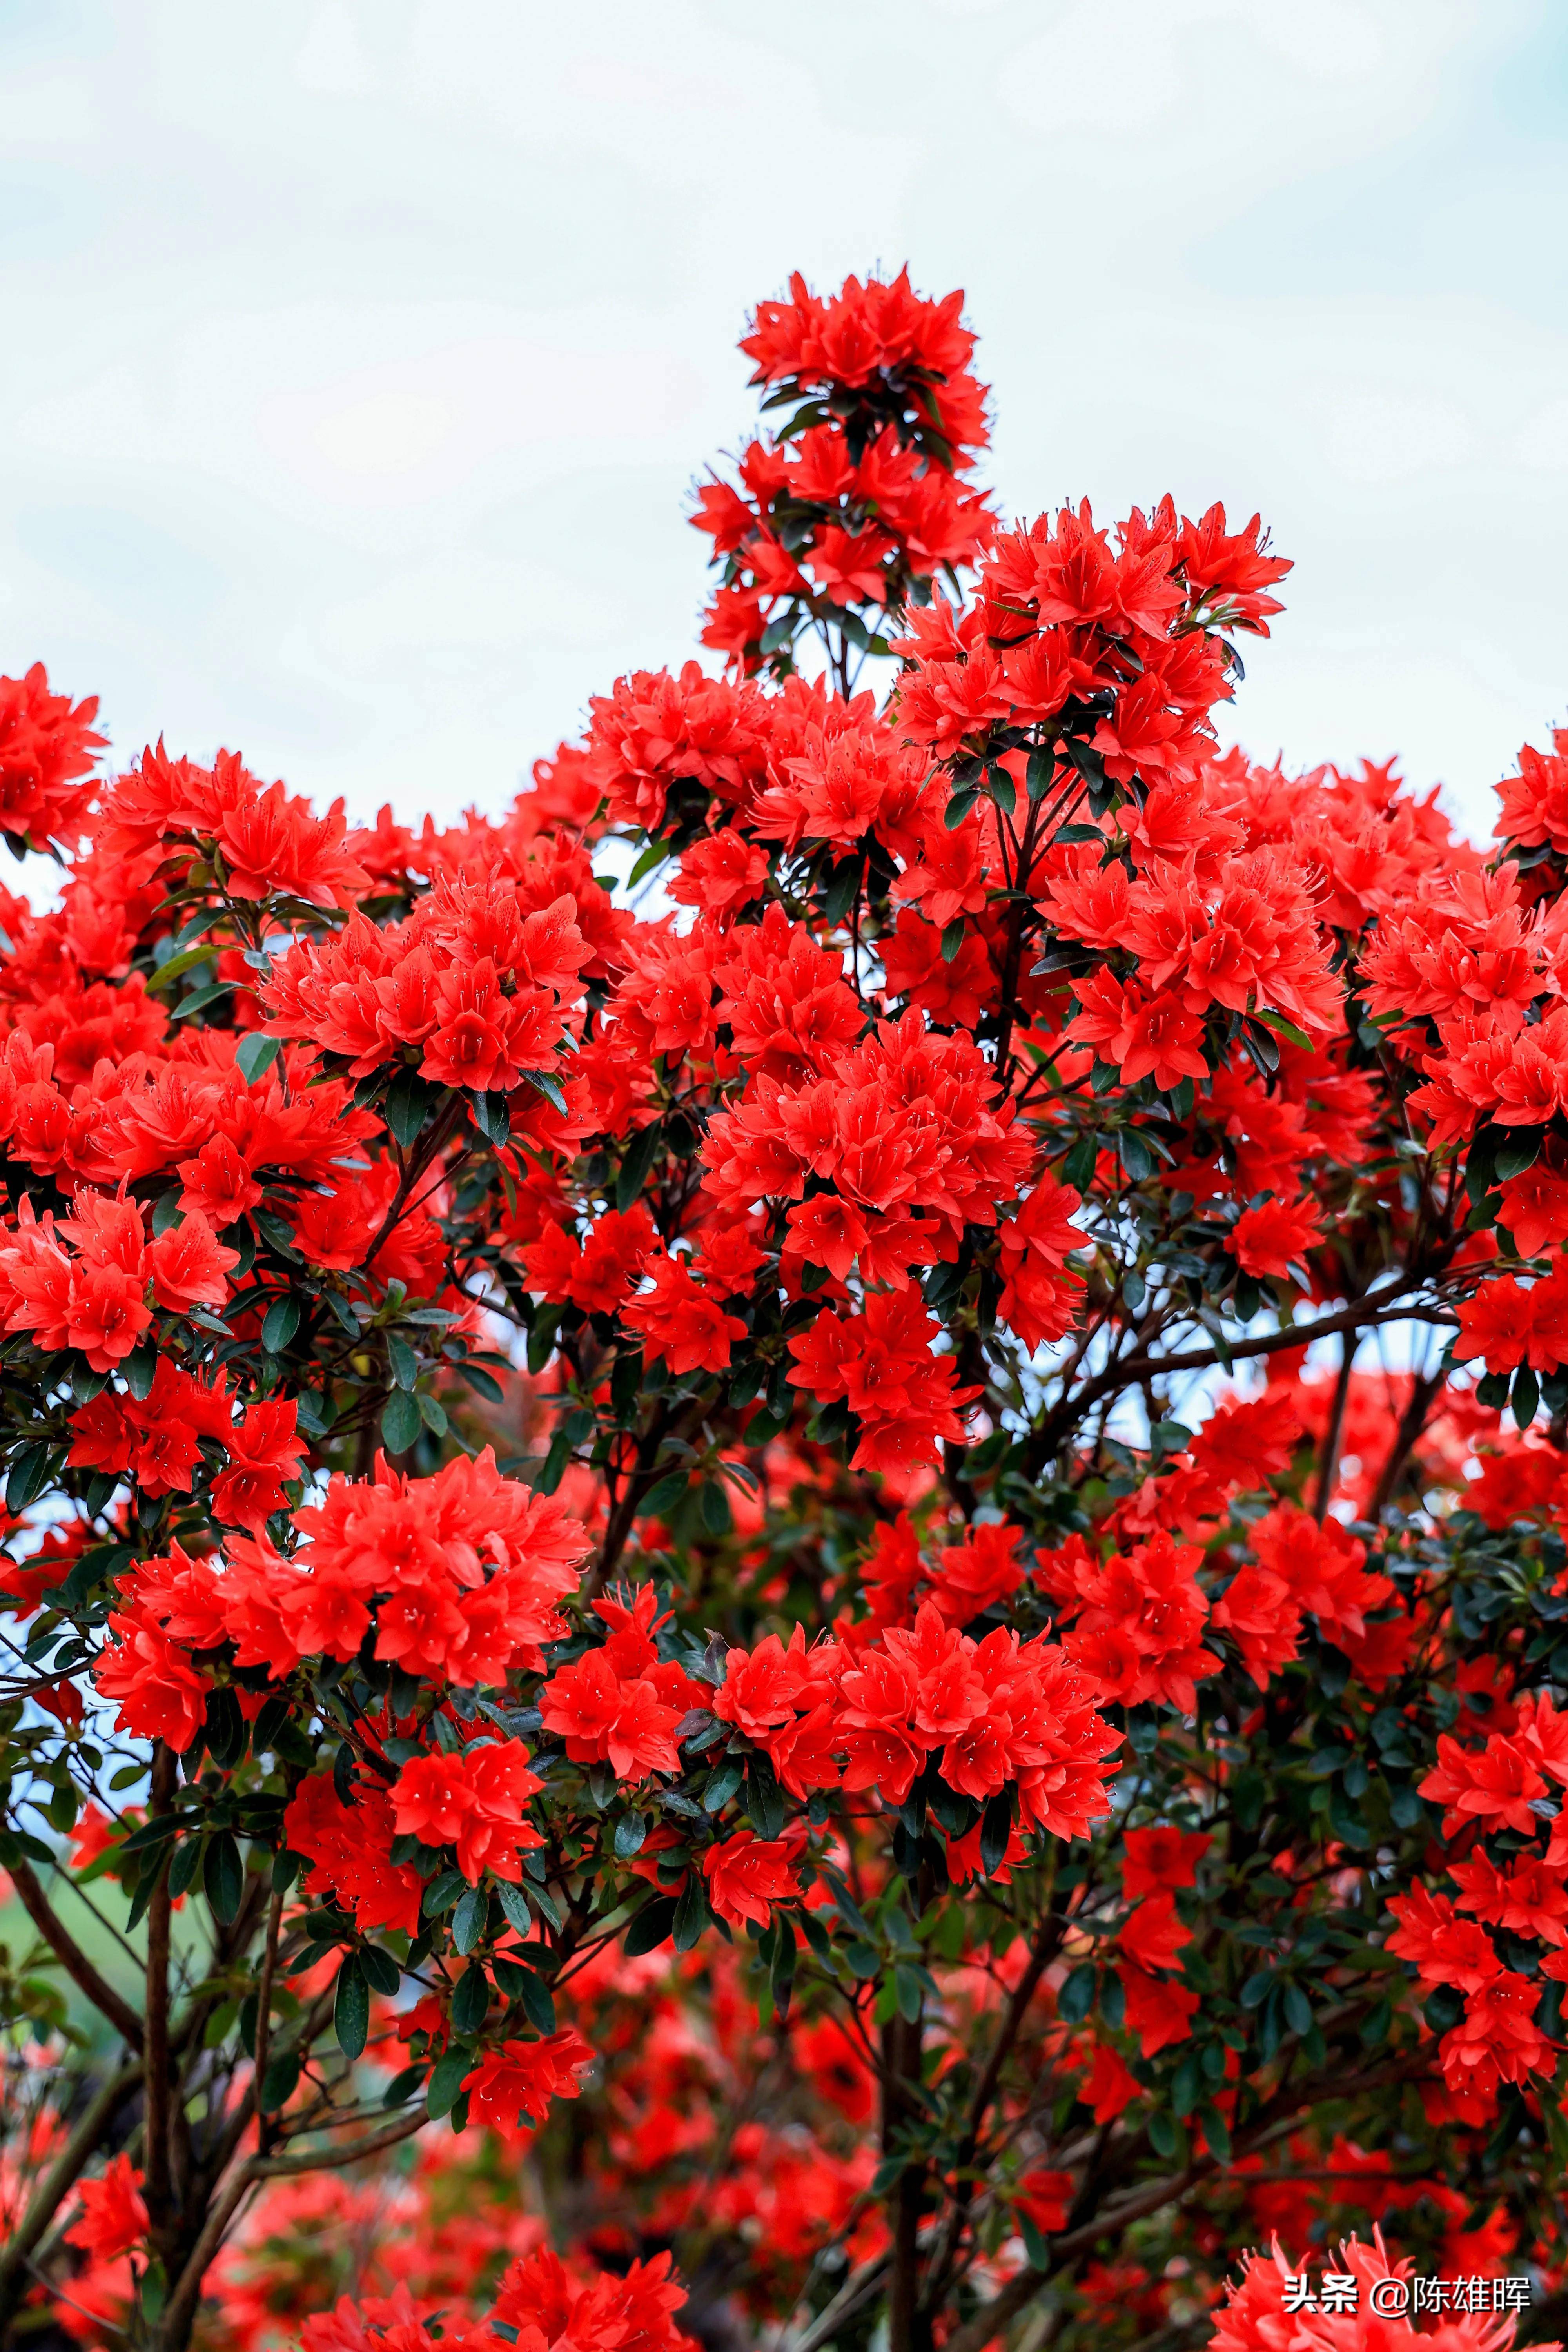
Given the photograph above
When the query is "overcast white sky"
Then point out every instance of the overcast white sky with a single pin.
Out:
(358, 358)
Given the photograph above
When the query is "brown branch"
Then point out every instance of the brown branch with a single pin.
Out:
(1412, 1422)
(1385, 1307)
(278, 2168)
(158, 2184)
(179, 2313)
(264, 1993)
(1329, 1468)
(1279, 2117)
(71, 1956)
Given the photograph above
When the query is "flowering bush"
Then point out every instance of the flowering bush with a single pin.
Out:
(785, 1544)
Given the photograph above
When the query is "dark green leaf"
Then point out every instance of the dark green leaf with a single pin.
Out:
(763, 1799)
(471, 2000)
(223, 1879)
(28, 1473)
(447, 2081)
(692, 1914)
(663, 1498)
(634, 1166)
(279, 2081)
(1526, 1396)
(492, 1116)
(996, 1831)
(400, 1422)
(717, 1517)
(468, 1919)
(380, 1970)
(406, 1105)
(350, 2009)
(652, 1924)
(282, 1322)
(514, 1905)
(1077, 1997)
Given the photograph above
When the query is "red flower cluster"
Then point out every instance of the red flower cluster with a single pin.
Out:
(45, 748)
(459, 1576)
(621, 1704)
(473, 990)
(472, 1798)
(95, 1295)
(861, 496)
(853, 1715)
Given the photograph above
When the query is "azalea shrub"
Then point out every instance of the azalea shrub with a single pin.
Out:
(786, 1542)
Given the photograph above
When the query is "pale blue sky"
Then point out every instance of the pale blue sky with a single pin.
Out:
(358, 358)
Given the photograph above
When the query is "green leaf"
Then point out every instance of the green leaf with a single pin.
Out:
(996, 1832)
(471, 2002)
(199, 999)
(400, 1422)
(350, 2009)
(1518, 1149)
(1136, 1157)
(716, 1516)
(468, 1919)
(188, 1858)
(447, 2081)
(225, 1730)
(909, 1992)
(959, 806)
(492, 1116)
(223, 1880)
(654, 855)
(634, 1166)
(433, 1414)
(692, 1914)
(28, 1473)
(382, 1972)
(518, 1983)
(546, 1083)
(1077, 1169)
(282, 1322)
(652, 1924)
(514, 1906)
(401, 1361)
(255, 1054)
(178, 967)
(1526, 1396)
(1077, 1997)
(1286, 1029)
(406, 1104)
(631, 1833)
(279, 2082)
(663, 1498)
(542, 1338)
(763, 1799)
